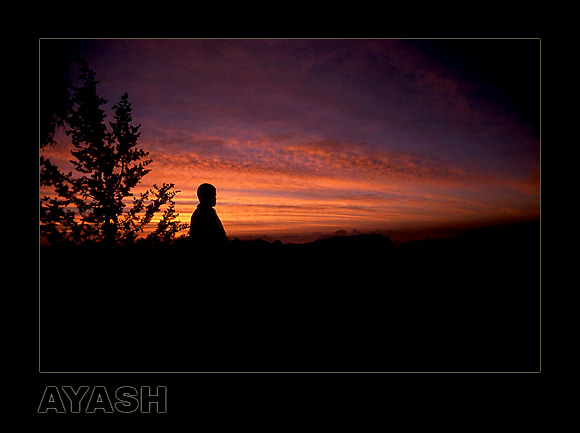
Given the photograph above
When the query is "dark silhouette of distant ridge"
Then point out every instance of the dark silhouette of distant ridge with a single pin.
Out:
(345, 303)
(341, 232)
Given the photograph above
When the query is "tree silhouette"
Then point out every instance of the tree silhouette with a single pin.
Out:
(91, 207)
(55, 103)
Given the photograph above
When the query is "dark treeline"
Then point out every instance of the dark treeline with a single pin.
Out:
(353, 303)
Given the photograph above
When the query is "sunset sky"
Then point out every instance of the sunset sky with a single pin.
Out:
(320, 135)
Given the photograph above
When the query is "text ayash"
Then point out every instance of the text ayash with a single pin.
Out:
(125, 399)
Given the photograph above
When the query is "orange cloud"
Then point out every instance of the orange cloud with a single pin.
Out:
(270, 186)
(329, 133)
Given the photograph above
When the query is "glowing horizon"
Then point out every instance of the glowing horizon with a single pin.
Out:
(305, 136)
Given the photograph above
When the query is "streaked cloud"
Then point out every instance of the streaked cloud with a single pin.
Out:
(298, 134)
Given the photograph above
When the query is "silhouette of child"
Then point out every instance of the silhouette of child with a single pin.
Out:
(206, 226)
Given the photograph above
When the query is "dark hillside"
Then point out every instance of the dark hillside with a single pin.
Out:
(354, 303)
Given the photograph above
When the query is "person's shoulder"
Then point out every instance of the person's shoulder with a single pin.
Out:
(205, 211)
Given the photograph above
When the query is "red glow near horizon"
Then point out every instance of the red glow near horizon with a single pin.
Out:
(313, 137)
(324, 191)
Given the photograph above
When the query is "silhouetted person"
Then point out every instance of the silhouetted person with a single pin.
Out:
(206, 227)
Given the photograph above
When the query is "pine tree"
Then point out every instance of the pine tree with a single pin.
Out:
(91, 207)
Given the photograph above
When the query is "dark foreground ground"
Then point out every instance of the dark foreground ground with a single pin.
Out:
(342, 304)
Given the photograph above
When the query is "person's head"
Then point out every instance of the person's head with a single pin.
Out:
(206, 194)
